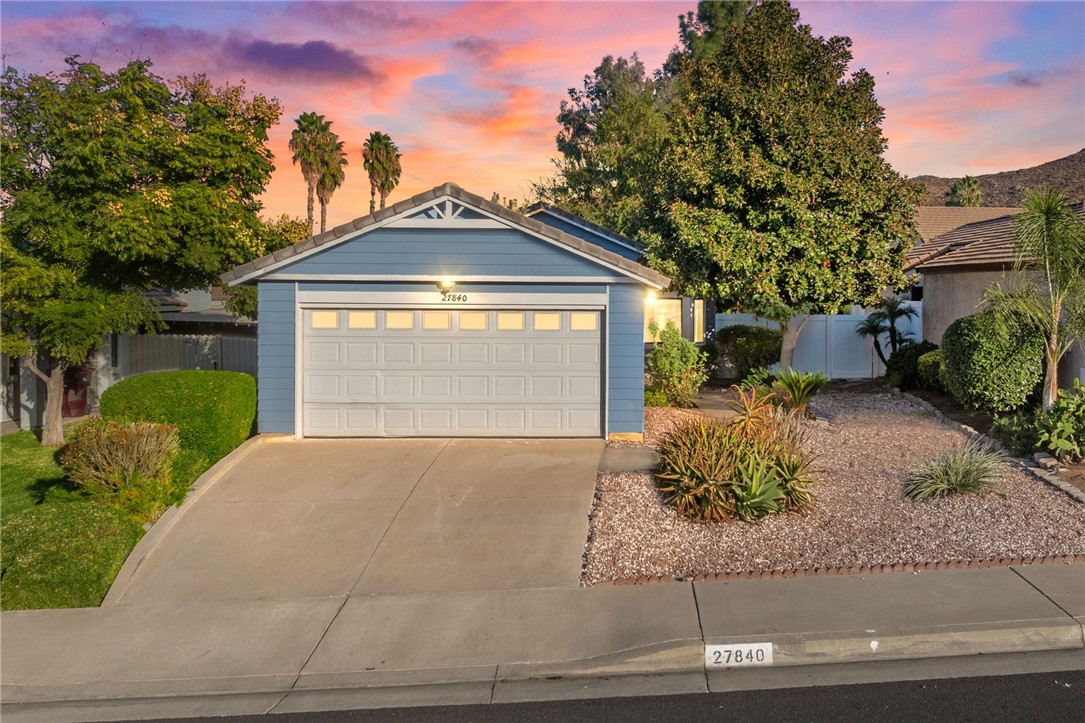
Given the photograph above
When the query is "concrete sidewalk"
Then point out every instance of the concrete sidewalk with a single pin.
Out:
(377, 649)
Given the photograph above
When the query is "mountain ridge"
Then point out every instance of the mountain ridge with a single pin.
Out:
(1007, 188)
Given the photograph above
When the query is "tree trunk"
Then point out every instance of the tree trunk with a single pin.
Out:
(372, 198)
(309, 207)
(791, 337)
(1051, 375)
(52, 429)
(383, 196)
(323, 216)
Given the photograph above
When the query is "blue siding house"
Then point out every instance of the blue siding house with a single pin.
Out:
(449, 315)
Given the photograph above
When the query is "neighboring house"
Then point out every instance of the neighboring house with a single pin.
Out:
(449, 315)
(958, 266)
(695, 317)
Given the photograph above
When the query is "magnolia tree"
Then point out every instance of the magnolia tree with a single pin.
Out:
(113, 184)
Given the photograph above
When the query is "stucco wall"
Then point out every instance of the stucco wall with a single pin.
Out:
(949, 296)
(1072, 366)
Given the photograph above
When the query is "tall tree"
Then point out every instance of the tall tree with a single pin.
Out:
(965, 192)
(332, 161)
(776, 198)
(1049, 294)
(112, 184)
(612, 134)
(381, 160)
(701, 33)
(278, 234)
(308, 146)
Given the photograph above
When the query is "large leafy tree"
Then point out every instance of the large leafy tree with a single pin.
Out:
(113, 184)
(332, 162)
(965, 192)
(776, 197)
(1049, 294)
(611, 138)
(279, 233)
(309, 146)
(381, 160)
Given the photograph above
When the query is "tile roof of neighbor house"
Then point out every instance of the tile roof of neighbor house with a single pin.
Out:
(933, 221)
(252, 269)
(984, 243)
(581, 221)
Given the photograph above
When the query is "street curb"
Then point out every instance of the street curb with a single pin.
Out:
(149, 542)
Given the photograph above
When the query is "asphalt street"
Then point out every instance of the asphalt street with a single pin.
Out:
(1052, 696)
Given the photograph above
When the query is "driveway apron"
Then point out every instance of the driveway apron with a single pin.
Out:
(319, 518)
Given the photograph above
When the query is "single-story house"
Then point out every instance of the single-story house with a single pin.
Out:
(450, 315)
(695, 317)
(958, 266)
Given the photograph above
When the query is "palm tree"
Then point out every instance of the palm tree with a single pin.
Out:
(1049, 296)
(965, 192)
(884, 321)
(333, 159)
(305, 143)
(380, 158)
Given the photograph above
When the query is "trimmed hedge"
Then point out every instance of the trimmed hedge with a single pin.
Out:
(746, 347)
(64, 554)
(930, 370)
(212, 410)
(902, 369)
(990, 366)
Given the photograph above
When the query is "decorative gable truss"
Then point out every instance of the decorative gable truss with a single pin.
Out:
(446, 214)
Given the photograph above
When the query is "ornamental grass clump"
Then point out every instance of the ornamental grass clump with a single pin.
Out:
(749, 466)
(974, 468)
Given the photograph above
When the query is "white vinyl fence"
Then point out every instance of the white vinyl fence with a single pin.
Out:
(167, 352)
(829, 344)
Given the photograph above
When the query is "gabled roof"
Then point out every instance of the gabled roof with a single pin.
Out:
(985, 243)
(448, 191)
(933, 221)
(537, 208)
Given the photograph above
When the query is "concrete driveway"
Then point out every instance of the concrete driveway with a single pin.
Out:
(320, 518)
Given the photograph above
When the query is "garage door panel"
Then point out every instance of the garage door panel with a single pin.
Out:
(466, 373)
(398, 352)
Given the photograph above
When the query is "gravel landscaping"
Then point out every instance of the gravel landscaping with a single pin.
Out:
(859, 519)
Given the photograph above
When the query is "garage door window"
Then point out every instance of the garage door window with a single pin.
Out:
(362, 320)
(510, 320)
(472, 320)
(547, 321)
(436, 320)
(324, 320)
(399, 320)
(581, 321)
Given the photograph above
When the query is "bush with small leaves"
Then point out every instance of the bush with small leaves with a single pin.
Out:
(902, 369)
(930, 370)
(976, 467)
(744, 347)
(991, 365)
(1018, 432)
(655, 398)
(676, 366)
(127, 465)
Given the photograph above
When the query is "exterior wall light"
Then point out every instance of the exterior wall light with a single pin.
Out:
(446, 285)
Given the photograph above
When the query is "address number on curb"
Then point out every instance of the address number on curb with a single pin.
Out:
(737, 655)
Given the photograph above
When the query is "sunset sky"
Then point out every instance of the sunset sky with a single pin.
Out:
(470, 90)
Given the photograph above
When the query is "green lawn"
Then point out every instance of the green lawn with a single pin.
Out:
(58, 549)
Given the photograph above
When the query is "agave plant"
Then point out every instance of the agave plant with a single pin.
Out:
(791, 473)
(754, 407)
(695, 461)
(756, 490)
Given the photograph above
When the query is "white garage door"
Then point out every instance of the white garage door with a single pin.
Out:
(445, 372)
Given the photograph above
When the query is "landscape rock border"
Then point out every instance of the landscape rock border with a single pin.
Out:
(1050, 477)
(860, 570)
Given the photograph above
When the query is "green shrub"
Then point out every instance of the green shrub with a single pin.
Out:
(745, 347)
(213, 411)
(902, 368)
(760, 378)
(654, 398)
(990, 366)
(63, 554)
(126, 465)
(1062, 427)
(796, 388)
(676, 366)
(747, 467)
(1019, 432)
(930, 370)
(974, 468)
